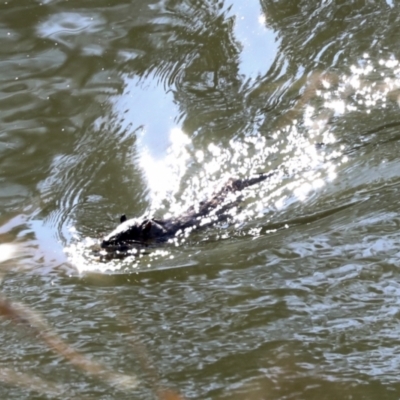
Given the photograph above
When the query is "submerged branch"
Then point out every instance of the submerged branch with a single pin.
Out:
(22, 315)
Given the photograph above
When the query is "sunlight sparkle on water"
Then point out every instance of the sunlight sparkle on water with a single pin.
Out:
(164, 175)
(367, 92)
(339, 106)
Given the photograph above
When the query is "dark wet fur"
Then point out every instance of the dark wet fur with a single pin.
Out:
(133, 233)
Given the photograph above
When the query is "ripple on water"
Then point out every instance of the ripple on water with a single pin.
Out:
(301, 283)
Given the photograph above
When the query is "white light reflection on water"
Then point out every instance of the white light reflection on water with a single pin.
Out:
(73, 30)
(164, 175)
(259, 44)
(7, 251)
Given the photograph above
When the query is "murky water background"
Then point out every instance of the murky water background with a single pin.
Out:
(144, 108)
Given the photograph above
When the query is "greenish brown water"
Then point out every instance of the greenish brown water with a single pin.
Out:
(143, 108)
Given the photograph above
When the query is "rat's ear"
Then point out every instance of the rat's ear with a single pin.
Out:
(147, 227)
(122, 218)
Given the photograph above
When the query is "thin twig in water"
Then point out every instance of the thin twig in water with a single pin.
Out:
(22, 315)
(145, 361)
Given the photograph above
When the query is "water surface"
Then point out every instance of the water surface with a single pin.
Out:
(143, 108)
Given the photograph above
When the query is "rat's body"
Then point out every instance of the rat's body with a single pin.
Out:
(132, 233)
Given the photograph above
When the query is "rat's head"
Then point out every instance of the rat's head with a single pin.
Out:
(132, 232)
